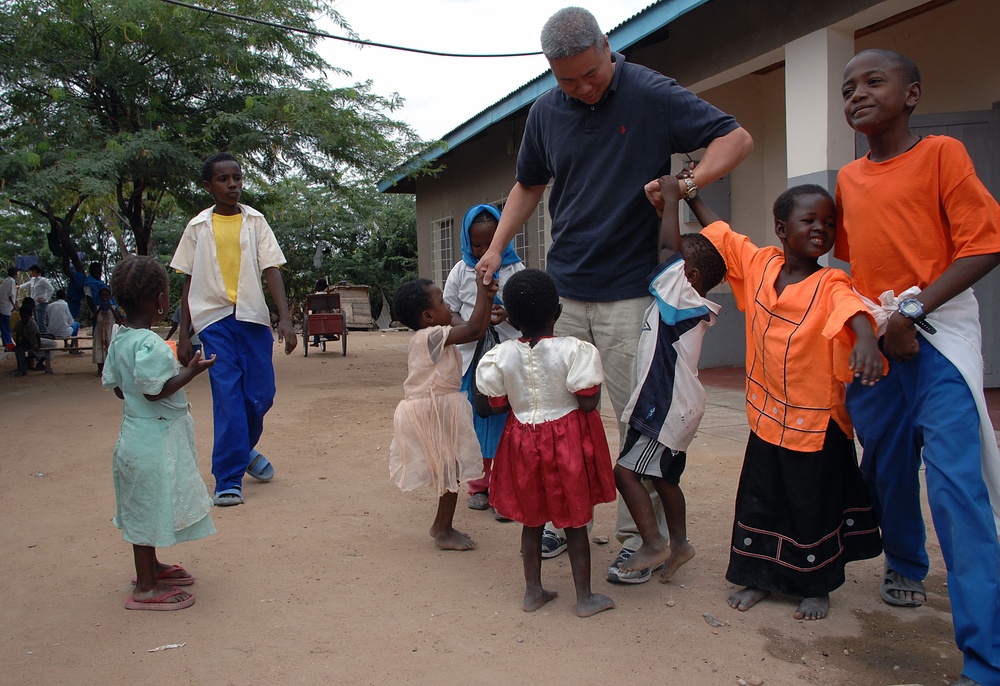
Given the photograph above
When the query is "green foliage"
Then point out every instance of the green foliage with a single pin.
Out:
(360, 236)
(106, 110)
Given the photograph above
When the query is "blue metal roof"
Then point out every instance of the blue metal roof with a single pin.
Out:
(623, 36)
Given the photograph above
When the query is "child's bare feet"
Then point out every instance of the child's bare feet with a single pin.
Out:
(586, 607)
(747, 598)
(452, 539)
(648, 556)
(678, 556)
(534, 599)
(813, 608)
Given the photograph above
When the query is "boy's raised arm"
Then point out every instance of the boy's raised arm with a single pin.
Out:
(670, 229)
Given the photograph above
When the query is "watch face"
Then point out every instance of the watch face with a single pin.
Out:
(911, 308)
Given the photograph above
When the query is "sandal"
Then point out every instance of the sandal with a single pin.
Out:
(158, 603)
(260, 467)
(166, 576)
(228, 497)
(894, 582)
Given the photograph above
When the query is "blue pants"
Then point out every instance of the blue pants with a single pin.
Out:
(925, 403)
(242, 392)
(5, 329)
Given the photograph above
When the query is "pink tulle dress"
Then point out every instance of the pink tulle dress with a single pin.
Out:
(434, 443)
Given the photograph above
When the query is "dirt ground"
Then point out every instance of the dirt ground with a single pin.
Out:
(327, 574)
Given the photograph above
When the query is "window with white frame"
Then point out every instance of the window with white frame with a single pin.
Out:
(441, 250)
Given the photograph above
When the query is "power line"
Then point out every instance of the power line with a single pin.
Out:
(321, 34)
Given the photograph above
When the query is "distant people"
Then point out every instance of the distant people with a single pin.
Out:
(8, 303)
(224, 303)
(31, 351)
(433, 441)
(93, 285)
(40, 290)
(460, 293)
(321, 288)
(553, 463)
(75, 281)
(802, 509)
(161, 498)
(61, 323)
(106, 315)
(599, 136)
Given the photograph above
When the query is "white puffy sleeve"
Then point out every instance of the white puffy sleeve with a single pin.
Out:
(585, 370)
(489, 377)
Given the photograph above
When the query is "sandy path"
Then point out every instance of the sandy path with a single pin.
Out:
(327, 574)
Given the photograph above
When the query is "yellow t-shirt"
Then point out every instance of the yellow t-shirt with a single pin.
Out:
(227, 249)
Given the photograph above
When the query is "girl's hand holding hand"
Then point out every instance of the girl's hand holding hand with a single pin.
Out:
(490, 287)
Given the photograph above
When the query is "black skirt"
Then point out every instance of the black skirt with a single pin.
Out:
(801, 517)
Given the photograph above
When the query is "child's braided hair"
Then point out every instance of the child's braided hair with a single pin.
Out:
(136, 280)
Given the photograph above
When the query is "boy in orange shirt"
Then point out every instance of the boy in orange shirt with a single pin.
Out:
(919, 229)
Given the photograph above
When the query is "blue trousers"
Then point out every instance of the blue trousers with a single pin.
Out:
(925, 405)
(242, 392)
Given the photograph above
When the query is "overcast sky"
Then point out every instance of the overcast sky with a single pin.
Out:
(443, 92)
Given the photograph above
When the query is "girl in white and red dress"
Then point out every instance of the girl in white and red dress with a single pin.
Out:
(553, 459)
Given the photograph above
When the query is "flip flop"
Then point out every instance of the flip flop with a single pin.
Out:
(165, 577)
(228, 497)
(260, 467)
(158, 604)
(894, 581)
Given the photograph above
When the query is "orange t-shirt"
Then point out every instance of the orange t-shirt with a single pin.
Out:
(798, 344)
(903, 221)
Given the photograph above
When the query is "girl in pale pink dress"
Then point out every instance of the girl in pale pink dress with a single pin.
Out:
(434, 443)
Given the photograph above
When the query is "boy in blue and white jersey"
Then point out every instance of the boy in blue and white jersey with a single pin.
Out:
(668, 402)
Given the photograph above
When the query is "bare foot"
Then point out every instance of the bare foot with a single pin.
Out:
(678, 556)
(587, 607)
(813, 608)
(648, 556)
(535, 599)
(747, 598)
(452, 539)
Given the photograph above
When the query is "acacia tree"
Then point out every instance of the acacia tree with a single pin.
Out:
(120, 101)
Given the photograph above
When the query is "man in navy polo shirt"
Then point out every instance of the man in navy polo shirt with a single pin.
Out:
(607, 130)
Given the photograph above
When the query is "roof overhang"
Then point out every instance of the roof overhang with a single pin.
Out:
(628, 34)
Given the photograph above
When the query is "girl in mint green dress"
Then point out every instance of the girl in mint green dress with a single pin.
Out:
(161, 498)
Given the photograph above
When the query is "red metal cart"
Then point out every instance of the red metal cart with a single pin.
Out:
(324, 318)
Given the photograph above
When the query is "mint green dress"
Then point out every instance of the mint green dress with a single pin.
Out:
(161, 498)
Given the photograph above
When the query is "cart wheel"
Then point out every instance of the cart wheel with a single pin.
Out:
(322, 345)
(343, 341)
(305, 335)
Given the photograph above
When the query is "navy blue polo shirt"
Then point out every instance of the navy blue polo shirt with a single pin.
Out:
(604, 231)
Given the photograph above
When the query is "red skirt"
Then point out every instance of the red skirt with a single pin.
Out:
(552, 472)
